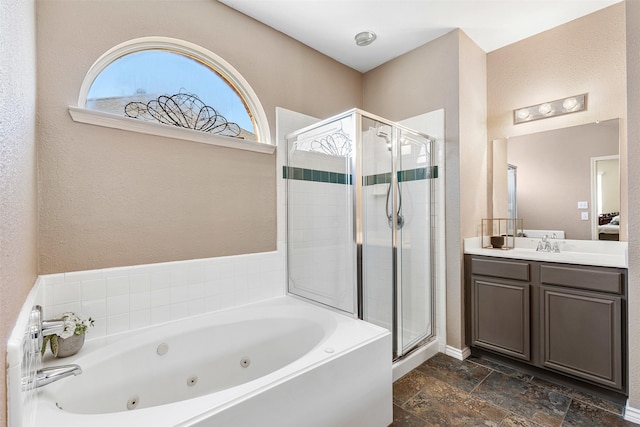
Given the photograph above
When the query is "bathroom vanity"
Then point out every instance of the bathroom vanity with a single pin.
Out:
(564, 314)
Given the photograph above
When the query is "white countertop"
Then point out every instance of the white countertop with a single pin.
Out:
(583, 252)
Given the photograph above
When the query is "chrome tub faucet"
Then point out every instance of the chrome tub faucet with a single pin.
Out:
(38, 329)
(46, 376)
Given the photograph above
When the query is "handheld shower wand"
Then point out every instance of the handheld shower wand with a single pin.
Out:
(389, 209)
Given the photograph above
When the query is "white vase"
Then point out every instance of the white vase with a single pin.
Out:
(69, 346)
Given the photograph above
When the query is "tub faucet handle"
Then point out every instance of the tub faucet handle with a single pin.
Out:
(52, 327)
(40, 328)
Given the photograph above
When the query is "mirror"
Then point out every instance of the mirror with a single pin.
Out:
(564, 181)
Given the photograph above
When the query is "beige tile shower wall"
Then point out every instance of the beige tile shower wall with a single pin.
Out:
(18, 215)
(583, 56)
(112, 198)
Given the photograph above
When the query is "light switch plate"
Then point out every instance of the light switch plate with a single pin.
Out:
(584, 216)
(583, 205)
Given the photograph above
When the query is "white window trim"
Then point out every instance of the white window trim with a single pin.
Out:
(83, 115)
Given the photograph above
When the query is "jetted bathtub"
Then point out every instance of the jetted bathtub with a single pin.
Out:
(281, 362)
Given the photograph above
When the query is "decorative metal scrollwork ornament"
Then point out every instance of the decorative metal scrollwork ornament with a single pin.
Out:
(337, 144)
(184, 110)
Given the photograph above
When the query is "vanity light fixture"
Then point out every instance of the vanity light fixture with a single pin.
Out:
(365, 38)
(571, 104)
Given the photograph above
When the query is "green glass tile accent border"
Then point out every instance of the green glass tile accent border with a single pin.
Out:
(403, 176)
(302, 174)
(382, 178)
(430, 172)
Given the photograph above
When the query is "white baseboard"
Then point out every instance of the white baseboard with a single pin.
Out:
(632, 414)
(456, 353)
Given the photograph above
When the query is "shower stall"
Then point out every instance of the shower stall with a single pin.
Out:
(360, 227)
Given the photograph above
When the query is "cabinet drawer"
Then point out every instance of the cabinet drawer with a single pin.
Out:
(506, 269)
(582, 278)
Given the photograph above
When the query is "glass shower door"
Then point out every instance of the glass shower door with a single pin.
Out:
(396, 233)
(415, 242)
(378, 198)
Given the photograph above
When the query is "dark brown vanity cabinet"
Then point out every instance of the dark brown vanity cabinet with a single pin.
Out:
(569, 319)
(500, 308)
(581, 314)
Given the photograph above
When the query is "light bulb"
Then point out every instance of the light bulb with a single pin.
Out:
(523, 114)
(570, 104)
(545, 109)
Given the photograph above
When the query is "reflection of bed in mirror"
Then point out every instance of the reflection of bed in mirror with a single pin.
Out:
(609, 226)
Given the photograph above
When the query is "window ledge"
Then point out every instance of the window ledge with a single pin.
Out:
(100, 118)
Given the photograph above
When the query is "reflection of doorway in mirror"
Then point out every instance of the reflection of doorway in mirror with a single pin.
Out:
(605, 194)
(512, 205)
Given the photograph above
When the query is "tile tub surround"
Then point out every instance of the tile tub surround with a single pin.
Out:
(127, 298)
(584, 252)
(444, 391)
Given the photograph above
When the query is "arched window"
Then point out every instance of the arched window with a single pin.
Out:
(172, 88)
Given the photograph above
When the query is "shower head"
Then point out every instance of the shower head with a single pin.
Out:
(383, 134)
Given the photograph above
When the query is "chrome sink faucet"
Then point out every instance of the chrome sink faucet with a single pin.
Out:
(38, 329)
(544, 245)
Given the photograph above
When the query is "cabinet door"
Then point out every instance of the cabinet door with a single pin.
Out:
(501, 316)
(582, 334)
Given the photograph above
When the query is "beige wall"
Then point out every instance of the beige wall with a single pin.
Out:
(18, 226)
(633, 156)
(584, 56)
(110, 198)
(416, 83)
(445, 73)
(473, 176)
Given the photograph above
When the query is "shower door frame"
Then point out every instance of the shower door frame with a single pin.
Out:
(358, 214)
(358, 228)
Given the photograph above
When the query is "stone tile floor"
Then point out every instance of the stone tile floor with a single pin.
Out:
(444, 391)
